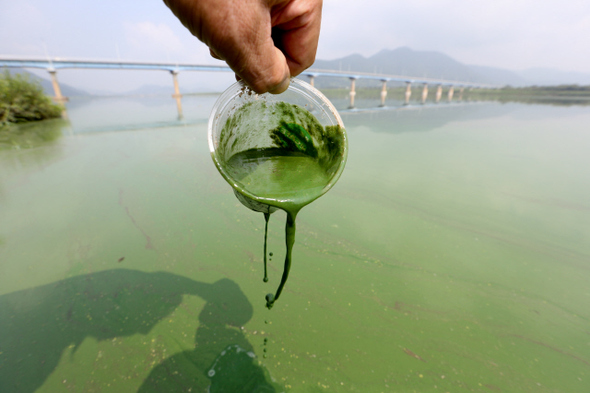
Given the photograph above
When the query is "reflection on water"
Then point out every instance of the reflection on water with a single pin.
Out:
(453, 255)
(29, 135)
(420, 118)
(125, 113)
(26, 145)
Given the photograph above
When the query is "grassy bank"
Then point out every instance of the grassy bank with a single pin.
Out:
(554, 95)
(22, 100)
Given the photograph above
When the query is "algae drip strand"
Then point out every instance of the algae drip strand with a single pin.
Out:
(284, 179)
(266, 218)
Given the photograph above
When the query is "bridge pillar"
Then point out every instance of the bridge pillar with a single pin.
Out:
(177, 96)
(383, 91)
(352, 92)
(408, 92)
(311, 79)
(450, 94)
(438, 93)
(461, 93)
(424, 93)
(59, 98)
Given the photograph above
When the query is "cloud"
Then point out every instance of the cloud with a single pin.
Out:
(22, 28)
(150, 40)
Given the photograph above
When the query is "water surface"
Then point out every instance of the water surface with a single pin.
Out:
(452, 256)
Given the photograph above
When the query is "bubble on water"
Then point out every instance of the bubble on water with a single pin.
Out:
(228, 371)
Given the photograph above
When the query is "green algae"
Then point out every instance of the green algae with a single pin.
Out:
(470, 251)
(293, 137)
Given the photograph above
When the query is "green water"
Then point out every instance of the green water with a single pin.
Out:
(279, 177)
(452, 256)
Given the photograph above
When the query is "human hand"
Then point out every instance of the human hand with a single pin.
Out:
(265, 42)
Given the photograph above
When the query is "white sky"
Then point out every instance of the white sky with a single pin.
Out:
(511, 34)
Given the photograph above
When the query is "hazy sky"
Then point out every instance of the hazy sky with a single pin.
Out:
(512, 34)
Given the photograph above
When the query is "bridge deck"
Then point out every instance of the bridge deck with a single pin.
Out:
(55, 64)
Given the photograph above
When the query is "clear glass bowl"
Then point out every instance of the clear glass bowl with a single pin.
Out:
(250, 128)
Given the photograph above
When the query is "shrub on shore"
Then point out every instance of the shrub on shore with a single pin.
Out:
(23, 99)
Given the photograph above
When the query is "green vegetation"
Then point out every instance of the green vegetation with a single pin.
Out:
(23, 100)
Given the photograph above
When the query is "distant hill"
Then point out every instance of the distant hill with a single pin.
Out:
(66, 90)
(430, 64)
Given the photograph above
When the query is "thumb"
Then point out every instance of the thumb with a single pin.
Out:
(263, 67)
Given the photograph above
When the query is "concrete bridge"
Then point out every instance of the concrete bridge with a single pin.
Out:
(53, 65)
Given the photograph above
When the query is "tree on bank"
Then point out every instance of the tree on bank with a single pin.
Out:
(23, 100)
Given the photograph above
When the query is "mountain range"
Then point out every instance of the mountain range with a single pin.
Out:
(430, 64)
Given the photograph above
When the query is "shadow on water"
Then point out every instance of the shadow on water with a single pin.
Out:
(223, 359)
(38, 324)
